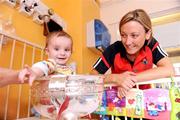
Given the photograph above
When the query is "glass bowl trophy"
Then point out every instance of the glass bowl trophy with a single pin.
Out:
(67, 97)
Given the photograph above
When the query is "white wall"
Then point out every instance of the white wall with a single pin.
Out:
(168, 35)
(112, 13)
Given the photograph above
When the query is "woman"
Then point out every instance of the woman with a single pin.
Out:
(131, 60)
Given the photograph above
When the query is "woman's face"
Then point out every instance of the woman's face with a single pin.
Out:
(133, 36)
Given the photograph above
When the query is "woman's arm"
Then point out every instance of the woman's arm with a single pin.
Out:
(125, 80)
(164, 69)
(108, 78)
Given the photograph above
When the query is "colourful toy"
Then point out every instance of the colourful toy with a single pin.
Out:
(111, 104)
(115, 105)
(134, 103)
(157, 104)
(151, 104)
(175, 100)
(102, 107)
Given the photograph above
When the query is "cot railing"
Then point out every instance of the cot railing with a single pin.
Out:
(14, 41)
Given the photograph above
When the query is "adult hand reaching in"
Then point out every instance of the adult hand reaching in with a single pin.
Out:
(27, 74)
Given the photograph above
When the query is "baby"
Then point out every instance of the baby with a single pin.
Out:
(59, 49)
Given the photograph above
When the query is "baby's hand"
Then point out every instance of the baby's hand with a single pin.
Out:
(27, 74)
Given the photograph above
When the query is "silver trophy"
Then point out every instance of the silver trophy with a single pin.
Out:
(67, 97)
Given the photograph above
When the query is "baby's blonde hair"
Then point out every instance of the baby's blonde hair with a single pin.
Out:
(54, 34)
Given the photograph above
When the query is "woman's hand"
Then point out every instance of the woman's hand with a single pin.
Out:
(121, 92)
(124, 80)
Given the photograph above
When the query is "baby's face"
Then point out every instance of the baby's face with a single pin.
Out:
(59, 49)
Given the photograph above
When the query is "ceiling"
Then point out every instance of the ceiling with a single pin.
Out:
(103, 3)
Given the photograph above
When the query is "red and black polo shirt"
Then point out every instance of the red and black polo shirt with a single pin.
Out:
(114, 57)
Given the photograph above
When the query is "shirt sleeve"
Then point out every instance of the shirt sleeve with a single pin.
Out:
(157, 52)
(47, 67)
(106, 60)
